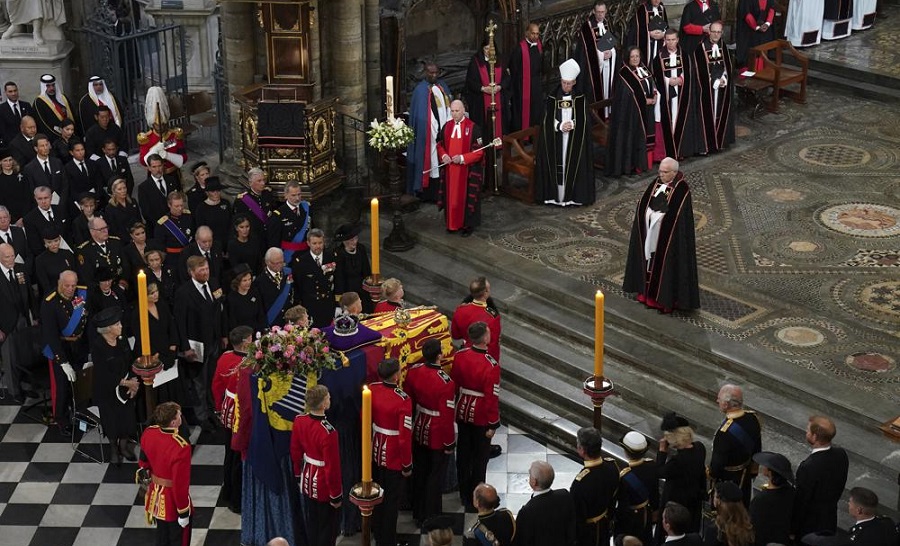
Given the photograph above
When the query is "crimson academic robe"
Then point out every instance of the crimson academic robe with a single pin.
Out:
(572, 167)
(715, 111)
(684, 138)
(461, 184)
(693, 18)
(647, 18)
(751, 14)
(669, 279)
(479, 102)
(524, 69)
(631, 129)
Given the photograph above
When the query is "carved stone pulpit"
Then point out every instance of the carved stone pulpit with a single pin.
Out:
(289, 138)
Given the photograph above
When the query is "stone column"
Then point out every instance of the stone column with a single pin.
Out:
(238, 31)
(346, 43)
(315, 48)
(376, 92)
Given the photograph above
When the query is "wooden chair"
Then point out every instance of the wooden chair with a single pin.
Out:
(519, 153)
(599, 129)
(778, 74)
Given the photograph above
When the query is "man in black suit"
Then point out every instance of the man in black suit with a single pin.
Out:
(47, 170)
(821, 479)
(314, 278)
(43, 216)
(12, 111)
(202, 245)
(105, 129)
(84, 177)
(676, 520)
(198, 322)
(870, 529)
(549, 517)
(110, 163)
(275, 285)
(152, 193)
(22, 145)
(15, 236)
(16, 302)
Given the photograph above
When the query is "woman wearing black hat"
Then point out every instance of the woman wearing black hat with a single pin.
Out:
(684, 470)
(214, 212)
(352, 264)
(15, 191)
(732, 525)
(243, 305)
(772, 507)
(106, 293)
(244, 246)
(115, 385)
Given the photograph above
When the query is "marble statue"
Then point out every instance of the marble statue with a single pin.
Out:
(34, 13)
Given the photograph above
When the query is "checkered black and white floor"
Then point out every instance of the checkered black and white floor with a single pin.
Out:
(52, 496)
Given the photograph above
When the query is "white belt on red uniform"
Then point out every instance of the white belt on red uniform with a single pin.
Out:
(385, 431)
(427, 411)
(470, 392)
(314, 462)
(230, 394)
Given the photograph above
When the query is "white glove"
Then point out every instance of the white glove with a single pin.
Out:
(69, 371)
(184, 521)
(158, 147)
(163, 153)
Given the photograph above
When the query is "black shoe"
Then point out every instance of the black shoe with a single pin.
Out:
(126, 449)
(235, 510)
(467, 232)
(66, 429)
(115, 456)
(496, 451)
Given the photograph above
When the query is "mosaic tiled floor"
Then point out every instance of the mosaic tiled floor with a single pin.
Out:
(798, 237)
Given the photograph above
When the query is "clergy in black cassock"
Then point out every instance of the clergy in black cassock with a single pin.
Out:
(524, 70)
(565, 167)
(629, 144)
(647, 29)
(662, 255)
(753, 27)
(714, 69)
(679, 133)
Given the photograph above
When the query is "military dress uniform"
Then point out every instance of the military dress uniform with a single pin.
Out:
(92, 255)
(477, 378)
(63, 323)
(494, 528)
(173, 245)
(475, 311)
(433, 395)
(594, 493)
(287, 224)
(878, 531)
(735, 443)
(317, 466)
(257, 208)
(637, 499)
(167, 457)
(392, 451)
(173, 143)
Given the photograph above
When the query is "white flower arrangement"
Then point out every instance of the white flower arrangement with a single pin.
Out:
(392, 133)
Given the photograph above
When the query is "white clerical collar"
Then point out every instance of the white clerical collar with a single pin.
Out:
(675, 537)
(818, 449)
(530, 43)
(541, 492)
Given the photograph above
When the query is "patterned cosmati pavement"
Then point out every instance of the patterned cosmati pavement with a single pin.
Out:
(798, 237)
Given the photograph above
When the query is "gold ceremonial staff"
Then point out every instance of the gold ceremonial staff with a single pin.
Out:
(492, 61)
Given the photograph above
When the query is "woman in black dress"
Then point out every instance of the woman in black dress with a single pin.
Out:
(214, 212)
(684, 470)
(122, 212)
(243, 305)
(244, 246)
(772, 506)
(60, 147)
(115, 385)
(15, 192)
(159, 274)
(351, 265)
(139, 246)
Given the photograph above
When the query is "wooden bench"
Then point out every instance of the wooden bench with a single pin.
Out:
(778, 74)
(599, 130)
(519, 153)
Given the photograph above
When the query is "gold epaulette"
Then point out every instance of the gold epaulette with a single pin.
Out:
(624, 471)
(84, 244)
(143, 138)
(584, 472)
(163, 219)
(81, 287)
(50, 297)
(115, 237)
(241, 195)
(276, 211)
(179, 132)
(725, 425)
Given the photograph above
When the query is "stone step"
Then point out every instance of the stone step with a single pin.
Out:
(548, 340)
(851, 85)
